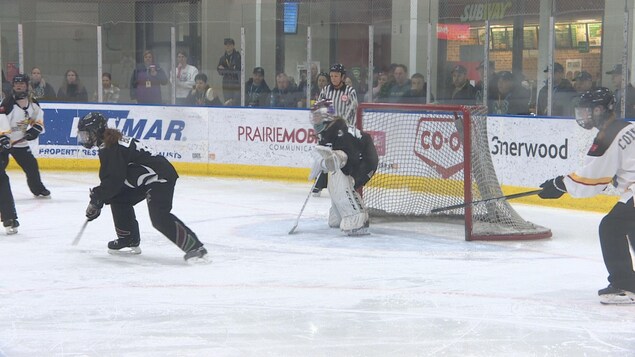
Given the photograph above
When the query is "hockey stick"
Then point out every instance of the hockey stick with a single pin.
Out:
(297, 220)
(508, 197)
(80, 233)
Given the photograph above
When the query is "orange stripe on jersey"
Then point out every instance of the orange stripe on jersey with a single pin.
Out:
(590, 181)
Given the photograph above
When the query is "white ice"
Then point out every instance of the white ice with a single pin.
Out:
(409, 289)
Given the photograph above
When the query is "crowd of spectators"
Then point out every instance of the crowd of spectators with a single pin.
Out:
(507, 92)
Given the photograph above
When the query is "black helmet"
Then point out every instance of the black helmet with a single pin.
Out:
(338, 67)
(90, 129)
(21, 78)
(594, 108)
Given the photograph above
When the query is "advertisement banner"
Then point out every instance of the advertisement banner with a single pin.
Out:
(269, 137)
(527, 151)
(179, 135)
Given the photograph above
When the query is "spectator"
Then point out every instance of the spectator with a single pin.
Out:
(582, 82)
(110, 92)
(393, 92)
(616, 79)
(510, 98)
(72, 89)
(562, 90)
(461, 92)
(184, 77)
(202, 93)
(229, 66)
(417, 94)
(146, 81)
(41, 89)
(6, 86)
(491, 83)
(351, 82)
(257, 92)
(284, 95)
(382, 78)
(321, 81)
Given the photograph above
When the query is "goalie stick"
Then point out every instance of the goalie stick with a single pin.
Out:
(80, 233)
(297, 220)
(508, 197)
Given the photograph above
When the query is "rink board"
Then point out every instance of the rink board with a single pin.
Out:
(277, 144)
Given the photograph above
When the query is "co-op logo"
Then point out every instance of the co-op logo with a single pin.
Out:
(439, 145)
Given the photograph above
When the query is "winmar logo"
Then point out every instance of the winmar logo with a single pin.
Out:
(552, 151)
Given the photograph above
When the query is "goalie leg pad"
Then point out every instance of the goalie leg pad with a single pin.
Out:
(348, 202)
(335, 219)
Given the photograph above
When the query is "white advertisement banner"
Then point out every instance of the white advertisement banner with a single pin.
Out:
(269, 137)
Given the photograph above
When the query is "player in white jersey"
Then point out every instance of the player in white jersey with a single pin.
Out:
(343, 99)
(610, 160)
(26, 119)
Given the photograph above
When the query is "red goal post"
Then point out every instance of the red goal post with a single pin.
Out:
(433, 156)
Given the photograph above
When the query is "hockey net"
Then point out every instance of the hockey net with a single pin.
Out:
(433, 156)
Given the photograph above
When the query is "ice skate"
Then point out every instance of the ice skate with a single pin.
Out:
(317, 192)
(123, 246)
(197, 256)
(356, 232)
(43, 194)
(11, 226)
(616, 296)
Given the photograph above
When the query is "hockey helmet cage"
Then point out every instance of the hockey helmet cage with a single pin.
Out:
(20, 78)
(90, 130)
(322, 112)
(338, 67)
(594, 108)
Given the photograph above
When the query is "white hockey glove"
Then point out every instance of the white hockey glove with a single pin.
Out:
(333, 159)
(317, 168)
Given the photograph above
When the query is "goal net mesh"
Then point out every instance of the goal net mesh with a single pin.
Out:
(423, 154)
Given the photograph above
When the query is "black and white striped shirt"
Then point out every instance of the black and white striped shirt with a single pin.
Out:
(344, 101)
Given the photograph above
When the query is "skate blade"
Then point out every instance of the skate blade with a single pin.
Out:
(11, 230)
(199, 260)
(358, 232)
(125, 251)
(617, 299)
(43, 197)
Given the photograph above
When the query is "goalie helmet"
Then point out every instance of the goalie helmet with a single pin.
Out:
(594, 108)
(90, 130)
(22, 93)
(322, 113)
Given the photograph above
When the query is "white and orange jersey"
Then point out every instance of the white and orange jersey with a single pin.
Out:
(610, 160)
(21, 119)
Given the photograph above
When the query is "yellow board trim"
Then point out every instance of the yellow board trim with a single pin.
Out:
(599, 203)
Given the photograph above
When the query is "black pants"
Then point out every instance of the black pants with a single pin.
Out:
(159, 197)
(24, 157)
(7, 204)
(616, 229)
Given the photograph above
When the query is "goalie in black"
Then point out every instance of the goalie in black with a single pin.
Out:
(350, 158)
(129, 173)
(610, 160)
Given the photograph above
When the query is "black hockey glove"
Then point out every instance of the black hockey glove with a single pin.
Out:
(94, 207)
(5, 143)
(553, 188)
(34, 132)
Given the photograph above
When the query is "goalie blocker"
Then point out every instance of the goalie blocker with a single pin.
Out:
(350, 158)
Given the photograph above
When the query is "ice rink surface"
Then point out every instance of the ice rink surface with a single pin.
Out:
(409, 289)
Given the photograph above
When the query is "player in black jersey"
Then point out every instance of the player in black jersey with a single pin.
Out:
(350, 159)
(129, 173)
(343, 100)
